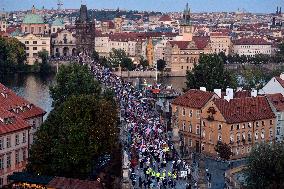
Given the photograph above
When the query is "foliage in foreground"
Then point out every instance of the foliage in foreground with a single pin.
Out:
(73, 136)
(266, 167)
(71, 80)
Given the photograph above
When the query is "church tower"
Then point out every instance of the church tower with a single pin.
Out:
(186, 28)
(85, 32)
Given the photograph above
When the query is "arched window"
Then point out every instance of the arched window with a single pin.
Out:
(256, 135)
(262, 136)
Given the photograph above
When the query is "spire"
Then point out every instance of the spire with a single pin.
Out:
(33, 9)
(186, 15)
(280, 10)
(277, 10)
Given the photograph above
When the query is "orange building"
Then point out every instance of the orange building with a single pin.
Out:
(150, 52)
(240, 122)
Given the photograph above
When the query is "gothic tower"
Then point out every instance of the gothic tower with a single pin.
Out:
(85, 32)
(186, 28)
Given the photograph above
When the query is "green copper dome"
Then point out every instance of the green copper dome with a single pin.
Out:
(58, 22)
(33, 19)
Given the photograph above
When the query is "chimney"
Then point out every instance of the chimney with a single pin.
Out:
(227, 98)
(253, 93)
(239, 88)
(230, 93)
(203, 89)
(282, 76)
(218, 92)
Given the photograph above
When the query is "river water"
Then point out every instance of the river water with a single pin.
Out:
(32, 87)
(35, 88)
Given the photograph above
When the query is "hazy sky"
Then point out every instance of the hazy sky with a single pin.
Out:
(259, 6)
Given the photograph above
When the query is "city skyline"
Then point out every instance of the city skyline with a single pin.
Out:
(255, 6)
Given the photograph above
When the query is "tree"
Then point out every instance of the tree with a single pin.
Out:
(143, 62)
(253, 78)
(71, 80)
(119, 57)
(210, 73)
(161, 64)
(95, 56)
(265, 167)
(12, 55)
(224, 150)
(79, 131)
(45, 67)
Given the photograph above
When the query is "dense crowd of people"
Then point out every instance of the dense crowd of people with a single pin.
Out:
(153, 160)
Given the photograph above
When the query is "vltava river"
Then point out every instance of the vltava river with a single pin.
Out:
(32, 87)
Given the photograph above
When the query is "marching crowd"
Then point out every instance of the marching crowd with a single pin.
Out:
(154, 162)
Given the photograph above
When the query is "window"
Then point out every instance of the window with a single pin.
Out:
(237, 151)
(198, 114)
(249, 125)
(248, 149)
(219, 127)
(256, 135)
(17, 156)
(271, 122)
(262, 123)
(190, 113)
(278, 131)
(203, 123)
(43, 42)
(1, 162)
(34, 54)
(278, 116)
(190, 128)
(34, 48)
(24, 154)
(243, 136)
(243, 150)
(8, 142)
(232, 127)
(24, 137)
(238, 137)
(26, 29)
(27, 48)
(39, 30)
(190, 142)
(197, 129)
(262, 134)
(256, 124)
(231, 138)
(8, 163)
(34, 42)
(238, 126)
(270, 132)
(17, 141)
(32, 30)
(219, 137)
(183, 125)
(244, 126)
(1, 143)
(183, 111)
(203, 133)
(27, 42)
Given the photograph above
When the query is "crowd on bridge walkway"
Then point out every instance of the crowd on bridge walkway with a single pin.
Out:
(154, 161)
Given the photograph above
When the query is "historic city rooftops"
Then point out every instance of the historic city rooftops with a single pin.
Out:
(193, 98)
(33, 19)
(238, 110)
(277, 100)
(165, 18)
(9, 101)
(251, 41)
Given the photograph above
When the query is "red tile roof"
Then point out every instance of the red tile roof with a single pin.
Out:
(9, 101)
(277, 100)
(165, 18)
(193, 98)
(180, 44)
(69, 183)
(201, 41)
(242, 94)
(251, 41)
(219, 34)
(240, 110)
